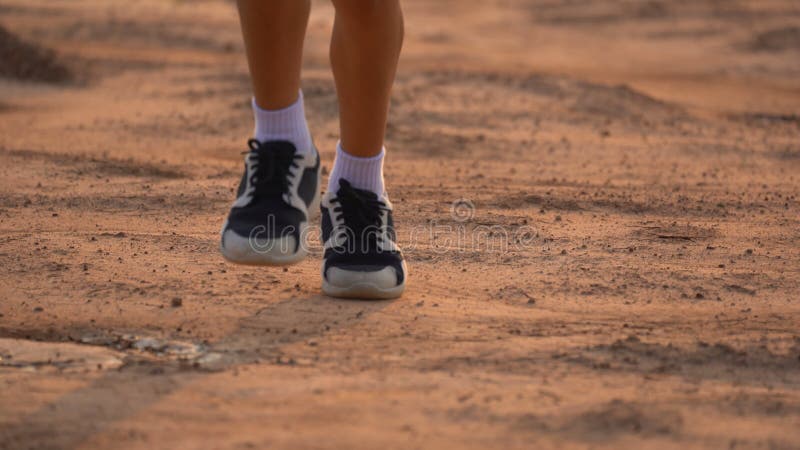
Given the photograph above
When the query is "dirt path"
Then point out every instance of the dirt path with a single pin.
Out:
(627, 276)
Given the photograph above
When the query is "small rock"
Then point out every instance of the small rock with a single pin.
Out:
(149, 344)
(177, 302)
(210, 361)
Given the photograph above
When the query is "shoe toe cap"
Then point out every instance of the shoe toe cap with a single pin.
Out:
(383, 277)
(254, 249)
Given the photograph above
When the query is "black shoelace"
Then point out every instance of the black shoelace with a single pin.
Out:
(361, 213)
(272, 163)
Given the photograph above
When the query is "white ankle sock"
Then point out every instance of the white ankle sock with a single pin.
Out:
(362, 173)
(288, 124)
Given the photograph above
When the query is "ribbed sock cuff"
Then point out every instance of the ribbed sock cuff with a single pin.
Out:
(288, 124)
(362, 173)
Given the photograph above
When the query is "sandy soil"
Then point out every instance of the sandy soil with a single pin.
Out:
(637, 163)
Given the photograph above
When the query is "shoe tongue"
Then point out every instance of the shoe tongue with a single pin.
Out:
(256, 146)
(282, 147)
(346, 185)
(273, 160)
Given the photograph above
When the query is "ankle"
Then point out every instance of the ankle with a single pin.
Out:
(288, 124)
(362, 173)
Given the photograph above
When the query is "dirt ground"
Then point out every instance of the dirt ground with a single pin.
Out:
(622, 271)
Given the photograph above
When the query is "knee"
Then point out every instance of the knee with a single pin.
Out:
(365, 9)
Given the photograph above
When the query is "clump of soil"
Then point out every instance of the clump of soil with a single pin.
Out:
(27, 61)
(778, 40)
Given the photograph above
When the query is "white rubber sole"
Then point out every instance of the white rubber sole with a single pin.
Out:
(363, 286)
(362, 291)
(240, 250)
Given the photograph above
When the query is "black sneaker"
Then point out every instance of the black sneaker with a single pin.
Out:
(361, 257)
(277, 196)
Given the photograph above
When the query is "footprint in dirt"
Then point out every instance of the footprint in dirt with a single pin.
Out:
(29, 62)
(776, 40)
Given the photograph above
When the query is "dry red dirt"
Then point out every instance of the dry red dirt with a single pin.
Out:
(646, 155)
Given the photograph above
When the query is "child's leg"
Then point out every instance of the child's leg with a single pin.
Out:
(367, 37)
(361, 258)
(279, 190)
(274, 31)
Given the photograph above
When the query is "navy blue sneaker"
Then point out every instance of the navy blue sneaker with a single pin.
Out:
(278, 195)
(361, 257)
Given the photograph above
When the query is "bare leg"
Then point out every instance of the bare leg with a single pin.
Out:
(274, 31)
(365, 48)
